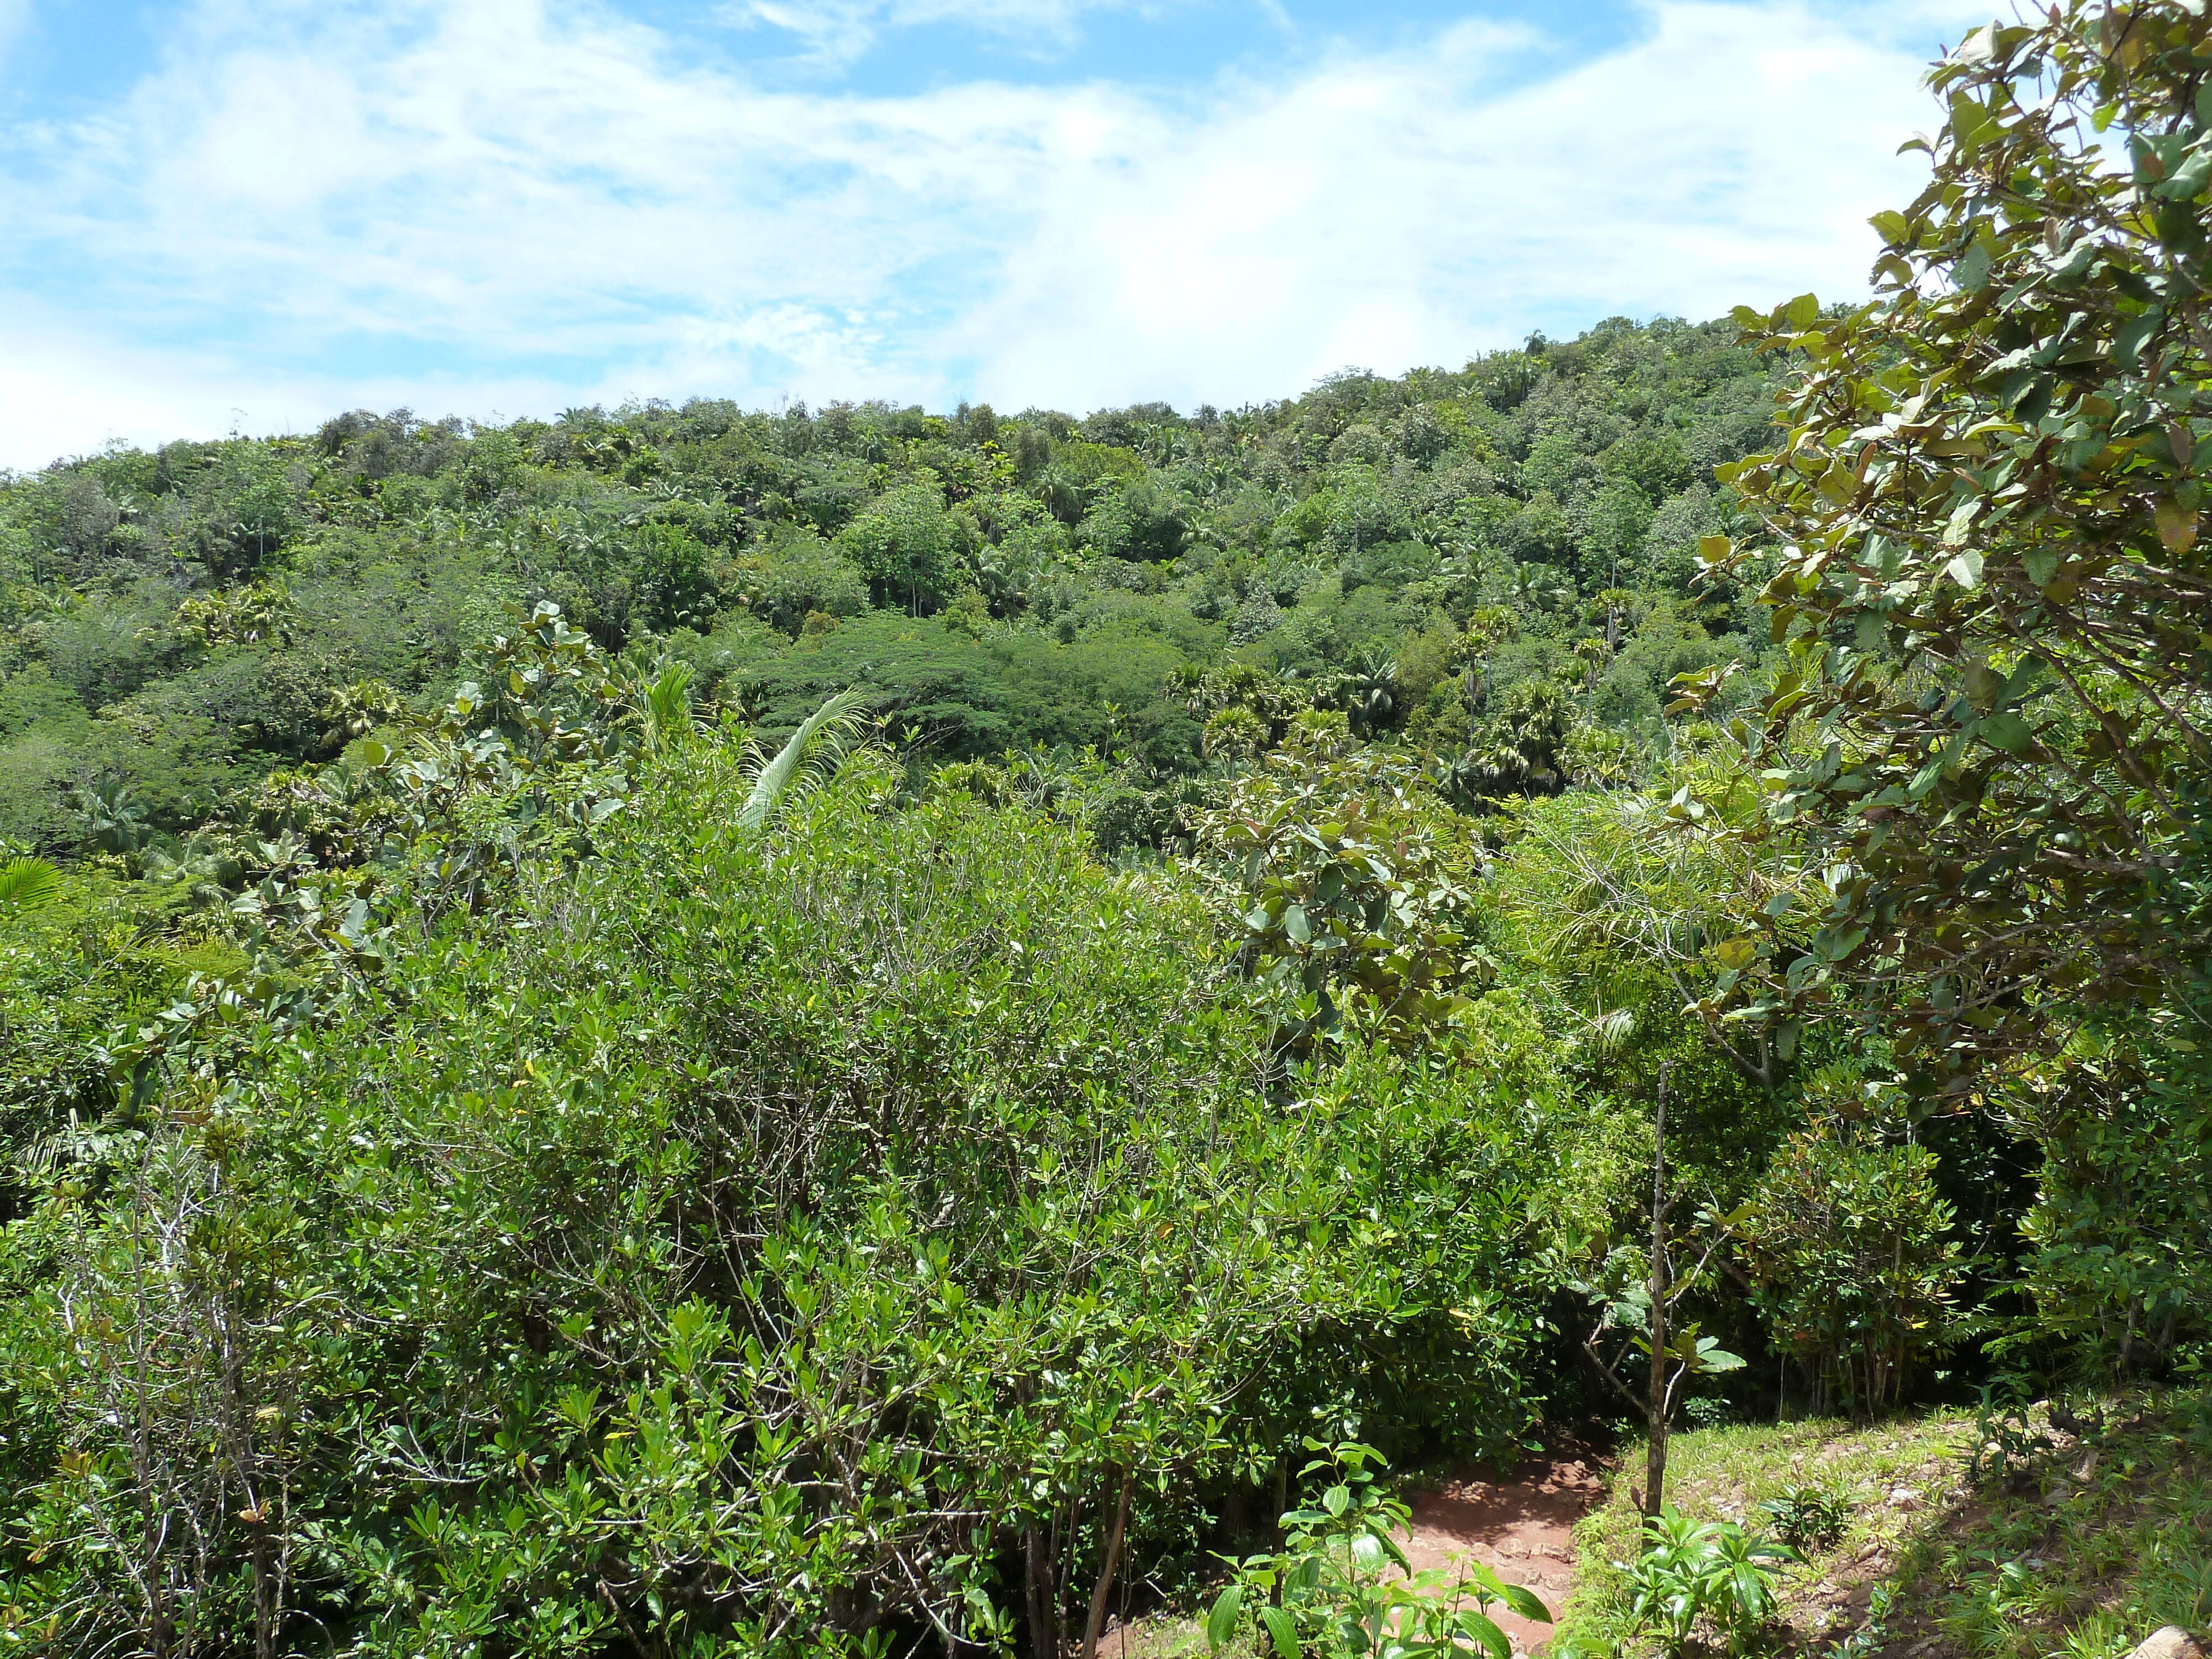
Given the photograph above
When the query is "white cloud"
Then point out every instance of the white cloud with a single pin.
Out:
(1394, 211)
(839, 30)
(552, 204)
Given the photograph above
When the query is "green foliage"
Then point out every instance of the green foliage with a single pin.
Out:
(1990, 736)
(525, 1132)
(801, 756)
(1354, 885)
(27, 883)
(1849, 1242)
(679, 1174)
(1808, 1517)
(1692, 1569)
(183, 618)
(1329, 1592)
(1991, 570)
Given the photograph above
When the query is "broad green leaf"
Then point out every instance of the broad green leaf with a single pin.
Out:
(1285, 1632)
(2006, 732)
(1736, 953)
(1481, 1628)
(1717, 1360)
(1523, 1600)
(1972, 271)
(1227, 1612)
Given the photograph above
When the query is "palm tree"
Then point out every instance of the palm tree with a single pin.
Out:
(811, 754)
(26, 883)
(116, 817)
(1065, 495)
(662, 705)
(1369, 687)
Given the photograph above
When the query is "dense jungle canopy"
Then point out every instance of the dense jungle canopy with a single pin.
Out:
(687, 1031)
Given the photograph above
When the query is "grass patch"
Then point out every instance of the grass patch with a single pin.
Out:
(1960, 1537)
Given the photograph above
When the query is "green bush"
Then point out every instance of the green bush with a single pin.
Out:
(1690, 1569)
(752, 1236)
(1850, 1241)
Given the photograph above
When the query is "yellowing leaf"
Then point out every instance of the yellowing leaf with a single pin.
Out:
(1736, 953)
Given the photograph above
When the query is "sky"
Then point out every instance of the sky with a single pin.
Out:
(217, 215)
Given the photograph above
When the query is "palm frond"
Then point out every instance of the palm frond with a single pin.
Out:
(823, 735)
(27, 884)
(664, 704)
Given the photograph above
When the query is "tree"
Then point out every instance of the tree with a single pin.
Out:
(1644, 1314)
(903, 544)
(1995, 731)
(1990, 579)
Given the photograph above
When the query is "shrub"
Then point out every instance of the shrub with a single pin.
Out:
(1328, 1592)
(1693, 1568)
(1809, 1517)
(758, 1237)
(1848, 1240)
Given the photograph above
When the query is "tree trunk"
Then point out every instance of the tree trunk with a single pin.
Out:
(1655, 1468)
(1105, 1587)
(1042, 1595)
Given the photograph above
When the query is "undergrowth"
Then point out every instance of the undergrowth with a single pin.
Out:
(1985, 1535)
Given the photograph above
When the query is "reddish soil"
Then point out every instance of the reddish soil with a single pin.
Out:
(1521, 1529)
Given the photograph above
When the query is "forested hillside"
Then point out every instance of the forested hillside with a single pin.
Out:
(182, 624)
(856, 1033)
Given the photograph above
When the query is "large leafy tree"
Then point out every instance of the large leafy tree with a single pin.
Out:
(1992, 733)
(1990, 581)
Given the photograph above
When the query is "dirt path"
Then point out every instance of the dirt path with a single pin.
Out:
(1521, 1529)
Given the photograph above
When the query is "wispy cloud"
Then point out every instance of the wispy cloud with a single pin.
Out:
(520, 204)
(834, 32)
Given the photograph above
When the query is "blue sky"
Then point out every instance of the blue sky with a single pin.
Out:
(219, 215)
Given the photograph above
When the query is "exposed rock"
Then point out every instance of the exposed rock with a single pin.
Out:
(2170, 1643)
(1905, 1498)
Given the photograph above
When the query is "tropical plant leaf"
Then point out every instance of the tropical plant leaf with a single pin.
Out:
(1221, 1623)
(1482, 1628)
(1524, 1601)
(27, 882)
(824, 730)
